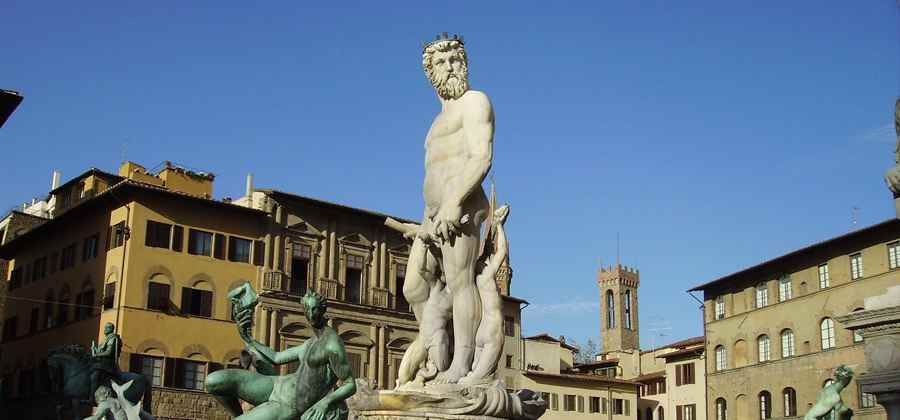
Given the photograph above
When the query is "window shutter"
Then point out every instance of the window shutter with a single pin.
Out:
(206, 303)
(178, 370)
(679, 412)
(689, 369)
(259, 251)
(678, 379)
(627, 407)
(169, 374)
(177, 238)
(219, 246)
(186, 293)
(135, 363)
(605, 403)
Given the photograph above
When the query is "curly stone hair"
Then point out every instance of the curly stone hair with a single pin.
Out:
(442, 46)
(313, 299)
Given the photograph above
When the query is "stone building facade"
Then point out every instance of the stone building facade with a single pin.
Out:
(772, 338)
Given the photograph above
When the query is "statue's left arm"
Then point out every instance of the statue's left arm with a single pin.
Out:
(337, 362)
(109, 348)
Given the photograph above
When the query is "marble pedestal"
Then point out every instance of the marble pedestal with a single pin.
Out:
(488, 401)
(879, 326)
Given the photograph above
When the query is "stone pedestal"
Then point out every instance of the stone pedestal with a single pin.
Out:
(879, 326)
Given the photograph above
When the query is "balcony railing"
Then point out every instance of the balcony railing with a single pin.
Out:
(274, 281)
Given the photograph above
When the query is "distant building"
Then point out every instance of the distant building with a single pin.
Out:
(773, 342)
(671, 377)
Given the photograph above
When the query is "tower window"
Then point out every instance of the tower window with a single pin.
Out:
(627, 316)
(610, 310)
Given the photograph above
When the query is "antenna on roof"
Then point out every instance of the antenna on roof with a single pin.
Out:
(618, 261)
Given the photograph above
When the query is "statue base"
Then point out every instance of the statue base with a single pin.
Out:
(488, 401)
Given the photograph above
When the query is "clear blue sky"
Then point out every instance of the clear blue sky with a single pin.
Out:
(710, 135)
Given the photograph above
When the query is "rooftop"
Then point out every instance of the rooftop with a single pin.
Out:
(887, 224)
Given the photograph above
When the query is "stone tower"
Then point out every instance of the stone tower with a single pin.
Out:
(619, 307)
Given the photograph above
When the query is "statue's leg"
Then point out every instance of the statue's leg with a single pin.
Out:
(270, 411)
(459, 270)
(417, 286)
(231, 386)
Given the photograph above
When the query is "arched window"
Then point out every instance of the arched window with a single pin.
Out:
(660, 413)
(649, 413)
(762, 295)
(785, 291)
(627, 305)
(721, 361)
(763, 348)
(827, 329)
(610, 310)
(765, 405)
(787, 343)
(720, 307)
(790, 402)
(721, 409)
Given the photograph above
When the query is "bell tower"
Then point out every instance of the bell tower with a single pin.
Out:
(619, 307)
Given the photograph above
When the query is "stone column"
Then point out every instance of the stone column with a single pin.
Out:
(273, 329)
(382, 355)
(373, 354)
(265, 325)
(879, 326)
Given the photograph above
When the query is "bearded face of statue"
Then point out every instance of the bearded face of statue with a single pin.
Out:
(447, 69)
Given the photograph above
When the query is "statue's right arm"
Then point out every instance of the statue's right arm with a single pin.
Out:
(277, 357)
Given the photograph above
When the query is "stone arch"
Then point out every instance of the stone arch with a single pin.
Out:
(742, 410)
(150, 345)
(231, 356)
(203, 281)
(740, 353)
(196, 349)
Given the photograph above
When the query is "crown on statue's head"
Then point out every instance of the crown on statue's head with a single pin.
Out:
(441, 37)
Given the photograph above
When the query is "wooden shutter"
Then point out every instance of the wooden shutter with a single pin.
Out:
(205, 302)
(186, 293)
(605, 404)
(168, 372)
(627, 407)
(689, 370)
(259, 251)
(678, 379)
(679, 412)
(177, 238)
(135, 363)
(219, 246)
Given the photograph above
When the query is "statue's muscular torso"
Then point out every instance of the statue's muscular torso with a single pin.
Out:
(447, 151)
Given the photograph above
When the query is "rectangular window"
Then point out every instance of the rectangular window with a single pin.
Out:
(193, 374)
(580, 402)
(116, 236)
(68, 257)
(239, 249)
(509, 361)
(785, 290)
(353, 278)
(618, 406)
(151, 367)
(568, 402)
(823, 276)
(196, 302)
(720, 307)
(866, 400)
(684, 374)
(509, 326)
(686, 412)
(158, 296)
(662, 386)
(219, 250)
(177, 238)
(109, 296)
(856, 267)
(200, 242)
(554, 402)
(300, 255)
(893, 255)
(594, 405)
(158, 234)
(259, 253)
(89, 248)
(39, 270)
(762, 295)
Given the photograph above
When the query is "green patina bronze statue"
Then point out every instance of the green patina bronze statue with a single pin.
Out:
(829, 405)
(316, 391)
(105, 358)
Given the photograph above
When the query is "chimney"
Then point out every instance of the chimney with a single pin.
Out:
(54, 183)
(249, 185)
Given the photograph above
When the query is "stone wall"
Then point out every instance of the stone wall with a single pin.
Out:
(171, 404)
